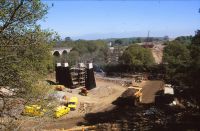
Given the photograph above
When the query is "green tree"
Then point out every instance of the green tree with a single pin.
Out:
(73, 57)
(176, 54)
(195, 64)
(86, 50)
(67, 39)
(24, 48)
(177, 58)
(118, 42)
(136, 55)
(184, 39)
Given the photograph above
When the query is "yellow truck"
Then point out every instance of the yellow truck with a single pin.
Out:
(34, 110)
(61, 110)
(72, 104)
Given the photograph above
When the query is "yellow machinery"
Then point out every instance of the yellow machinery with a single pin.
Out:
(73, 103)
(34, 110)
(61, 110)
(138, 93)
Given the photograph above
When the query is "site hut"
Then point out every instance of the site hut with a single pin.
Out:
(90, 82)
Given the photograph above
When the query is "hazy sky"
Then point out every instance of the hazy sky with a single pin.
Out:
(93, 19)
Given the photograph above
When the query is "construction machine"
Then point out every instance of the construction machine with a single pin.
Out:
(34, 110)
(84, 91)
(72, 104)
(61, 110)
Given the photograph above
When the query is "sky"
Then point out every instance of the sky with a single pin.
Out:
(100, 19)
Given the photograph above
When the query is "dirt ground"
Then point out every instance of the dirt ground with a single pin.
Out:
(99, 99)
(157, 52)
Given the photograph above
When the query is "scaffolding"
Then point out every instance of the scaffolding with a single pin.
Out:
(78, 75)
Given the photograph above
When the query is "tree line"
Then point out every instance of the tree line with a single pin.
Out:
(84, 51)
(181, 60)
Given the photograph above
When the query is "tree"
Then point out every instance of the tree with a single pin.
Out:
(67, 39)
(196, 38)
(73, 57)
(176, 54)
(24, 47)
(195, 64)
(90, 50)
(166, 38)
(118, 42)
(136, 55)
(138, 40)
(184, 39)
(177, 57)
(17, 15)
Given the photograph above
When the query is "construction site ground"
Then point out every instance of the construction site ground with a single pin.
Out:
(98, 99)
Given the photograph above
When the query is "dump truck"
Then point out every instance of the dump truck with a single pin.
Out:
(34, 110)
(61, 110)
(72, 104)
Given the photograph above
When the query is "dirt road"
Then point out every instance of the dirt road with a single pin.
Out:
(157, 52)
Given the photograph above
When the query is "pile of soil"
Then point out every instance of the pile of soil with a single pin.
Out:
(127, 98)
(102, 91)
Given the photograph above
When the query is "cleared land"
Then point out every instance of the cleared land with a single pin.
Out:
(157, 52)
(99, 99)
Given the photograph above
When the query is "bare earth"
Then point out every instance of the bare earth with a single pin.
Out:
(99, 99)
(157, 52)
